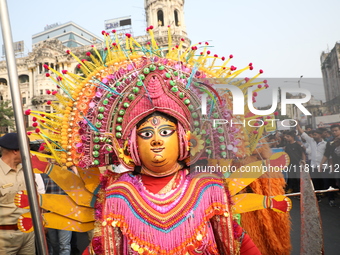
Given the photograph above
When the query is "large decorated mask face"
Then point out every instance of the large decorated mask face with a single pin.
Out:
(158, 146)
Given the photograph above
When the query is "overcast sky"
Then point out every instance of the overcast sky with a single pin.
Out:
(284, 38)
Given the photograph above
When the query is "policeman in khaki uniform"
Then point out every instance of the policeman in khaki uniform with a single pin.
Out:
(12, 240)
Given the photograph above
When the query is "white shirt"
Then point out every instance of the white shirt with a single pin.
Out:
(308, 150)
(40, 184)
(317, 149)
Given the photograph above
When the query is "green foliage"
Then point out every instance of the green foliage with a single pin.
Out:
(6, 114)
(282, 117)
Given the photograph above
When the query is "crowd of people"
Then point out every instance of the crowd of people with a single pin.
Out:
(313, 150)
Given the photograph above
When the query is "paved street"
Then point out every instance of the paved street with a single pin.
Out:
(330, 222)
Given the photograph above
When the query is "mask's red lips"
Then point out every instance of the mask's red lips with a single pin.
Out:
(156, 150)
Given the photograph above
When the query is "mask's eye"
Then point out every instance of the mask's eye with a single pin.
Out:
(146, 134)
(167, 132)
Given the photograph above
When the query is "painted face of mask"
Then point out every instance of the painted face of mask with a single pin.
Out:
(158, 144)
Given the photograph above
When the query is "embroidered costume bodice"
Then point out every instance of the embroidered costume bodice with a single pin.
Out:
(183, 220)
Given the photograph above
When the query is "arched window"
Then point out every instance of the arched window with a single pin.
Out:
(23, 78)
(160, 18)
(177, 23)
(3, 81)
(46, 70)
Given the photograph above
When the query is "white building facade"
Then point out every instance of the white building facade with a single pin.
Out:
(70, 34)
(49, 48)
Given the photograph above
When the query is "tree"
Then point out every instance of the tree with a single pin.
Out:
(6, 115)
(87, 56)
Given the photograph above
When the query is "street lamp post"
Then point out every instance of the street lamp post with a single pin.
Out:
(288, 81)
(19, 120)
(300, 80)
(295, 111)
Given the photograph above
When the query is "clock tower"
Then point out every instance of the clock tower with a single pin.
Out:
(163, 13)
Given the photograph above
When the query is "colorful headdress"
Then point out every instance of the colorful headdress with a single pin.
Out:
(94, 119)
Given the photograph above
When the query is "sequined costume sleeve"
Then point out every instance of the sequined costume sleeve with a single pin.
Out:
(222, 238)
(114, 236)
